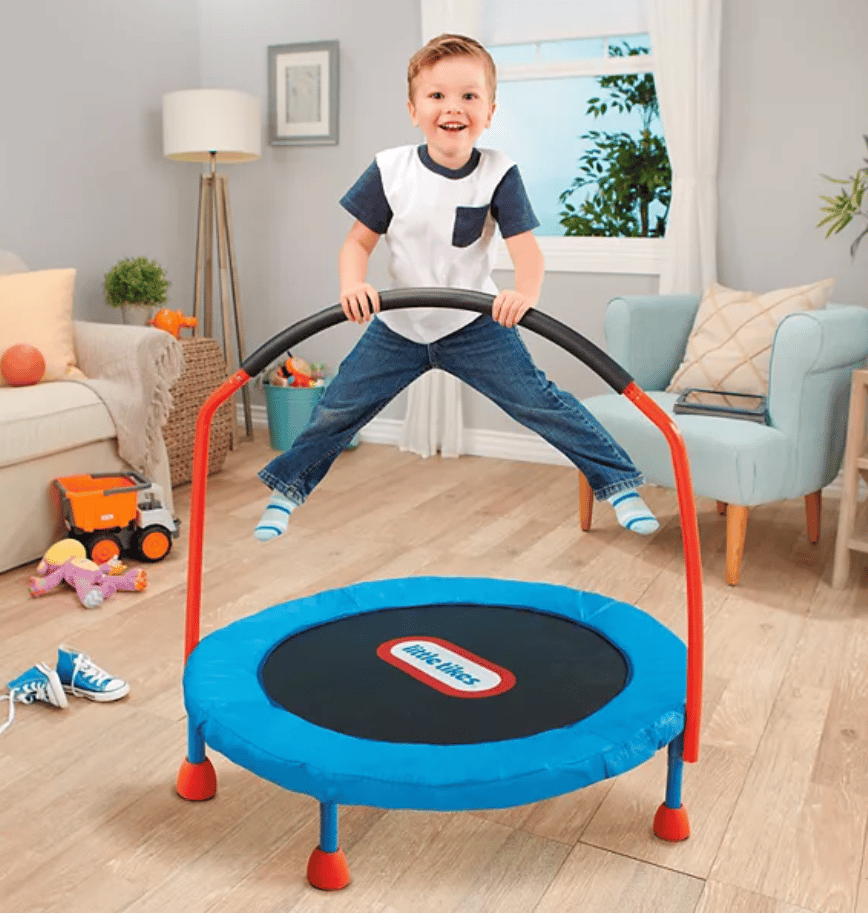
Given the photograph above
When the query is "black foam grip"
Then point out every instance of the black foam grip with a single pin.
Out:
(457, 299)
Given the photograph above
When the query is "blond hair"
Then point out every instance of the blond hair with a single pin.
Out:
(447, 45)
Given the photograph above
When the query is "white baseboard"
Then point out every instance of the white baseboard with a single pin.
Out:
(504, 445)
(477, 442)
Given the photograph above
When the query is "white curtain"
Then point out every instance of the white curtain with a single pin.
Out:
(434, 420)
(463, 17)
(685, 43)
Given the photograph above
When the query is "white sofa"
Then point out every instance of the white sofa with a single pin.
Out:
(60, 428)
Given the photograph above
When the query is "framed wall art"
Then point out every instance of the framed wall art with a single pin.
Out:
(303, 84)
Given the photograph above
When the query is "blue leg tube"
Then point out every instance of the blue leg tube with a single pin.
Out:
(328, 827)
(674, 771)
(195, 745)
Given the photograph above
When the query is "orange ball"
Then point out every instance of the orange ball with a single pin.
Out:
(22, 365)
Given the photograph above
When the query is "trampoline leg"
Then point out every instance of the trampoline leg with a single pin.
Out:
(327, 868)
(671, 822)
(197, 779)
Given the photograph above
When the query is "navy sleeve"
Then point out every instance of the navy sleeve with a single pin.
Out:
(366, 200)
(511, 207)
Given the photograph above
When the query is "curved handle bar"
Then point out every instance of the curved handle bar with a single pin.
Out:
(553, 330)
(457, 299)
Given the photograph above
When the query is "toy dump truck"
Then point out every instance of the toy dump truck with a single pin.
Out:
(110, 513)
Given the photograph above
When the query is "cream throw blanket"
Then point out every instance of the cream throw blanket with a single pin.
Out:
(132, 370)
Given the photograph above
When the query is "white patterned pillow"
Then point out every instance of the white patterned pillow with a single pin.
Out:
(729, 347)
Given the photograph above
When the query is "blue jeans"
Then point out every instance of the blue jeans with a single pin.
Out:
(491, 359)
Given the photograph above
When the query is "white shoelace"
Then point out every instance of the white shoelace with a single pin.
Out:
(89, 670)
(11, 699)
(39, 691)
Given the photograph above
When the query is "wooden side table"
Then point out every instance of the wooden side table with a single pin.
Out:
(852, 529)
(204, 371)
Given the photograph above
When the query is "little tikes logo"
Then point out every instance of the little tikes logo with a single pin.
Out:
(446, 667)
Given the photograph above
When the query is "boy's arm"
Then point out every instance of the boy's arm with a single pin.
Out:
(510, 305)
(358, 299)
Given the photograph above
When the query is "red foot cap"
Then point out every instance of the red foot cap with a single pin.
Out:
(328, 871)
(671, 824)
(197, 782)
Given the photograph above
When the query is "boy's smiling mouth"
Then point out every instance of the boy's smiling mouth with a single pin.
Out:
(453, 127)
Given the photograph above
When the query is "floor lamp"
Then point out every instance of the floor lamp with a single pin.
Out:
(215, 126)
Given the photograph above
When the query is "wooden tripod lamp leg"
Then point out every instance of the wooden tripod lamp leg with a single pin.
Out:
(223, 267)
(236, 301)
(204, 204)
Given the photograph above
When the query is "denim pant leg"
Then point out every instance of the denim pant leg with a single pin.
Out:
(494, 360)
(377, 369)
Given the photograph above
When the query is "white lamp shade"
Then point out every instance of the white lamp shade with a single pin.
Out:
(199, 122)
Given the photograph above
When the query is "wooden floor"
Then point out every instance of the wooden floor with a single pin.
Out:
(89, 820)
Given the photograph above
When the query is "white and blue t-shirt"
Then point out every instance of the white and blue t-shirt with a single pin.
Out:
(440, 226)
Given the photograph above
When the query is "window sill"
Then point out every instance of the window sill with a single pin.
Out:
(638, 256)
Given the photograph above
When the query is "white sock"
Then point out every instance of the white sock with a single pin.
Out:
(275, 517)
(632, 512)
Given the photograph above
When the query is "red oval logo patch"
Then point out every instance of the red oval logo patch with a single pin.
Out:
(446, 667)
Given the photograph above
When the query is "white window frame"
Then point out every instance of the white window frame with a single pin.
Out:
(572, 254)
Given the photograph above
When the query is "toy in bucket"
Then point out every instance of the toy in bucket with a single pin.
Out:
(292, 391)
(291, 394)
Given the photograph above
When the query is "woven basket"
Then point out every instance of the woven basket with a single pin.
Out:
(204, 371)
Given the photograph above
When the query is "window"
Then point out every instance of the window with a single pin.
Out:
(569, 158)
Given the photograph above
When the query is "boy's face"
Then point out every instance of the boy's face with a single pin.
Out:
(451, 105)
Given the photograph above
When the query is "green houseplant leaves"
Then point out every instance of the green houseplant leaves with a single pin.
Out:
(136, 281)
(846, 205)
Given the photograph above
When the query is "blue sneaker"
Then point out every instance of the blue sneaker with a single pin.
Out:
(39, 683)
(80, 676)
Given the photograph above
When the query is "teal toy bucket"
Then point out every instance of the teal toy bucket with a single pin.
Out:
(289, 410)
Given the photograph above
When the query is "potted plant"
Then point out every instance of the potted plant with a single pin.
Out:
(138, 286)
(850, 202)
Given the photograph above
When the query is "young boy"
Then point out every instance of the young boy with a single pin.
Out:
(438, 206)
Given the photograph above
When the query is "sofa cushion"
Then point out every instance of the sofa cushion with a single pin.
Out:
(49, 418)
(729, 347)
(36, 308)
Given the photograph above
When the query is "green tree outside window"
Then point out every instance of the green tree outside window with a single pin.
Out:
(628, 173)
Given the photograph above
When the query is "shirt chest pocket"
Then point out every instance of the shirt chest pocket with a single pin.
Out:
(469, 223)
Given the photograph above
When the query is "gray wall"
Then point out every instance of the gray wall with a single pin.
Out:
(84, 181)
(794, 94)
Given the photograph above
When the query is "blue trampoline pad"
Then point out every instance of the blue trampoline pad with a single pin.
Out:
(439, 693)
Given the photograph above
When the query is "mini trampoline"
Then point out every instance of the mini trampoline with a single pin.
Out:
(441, 693)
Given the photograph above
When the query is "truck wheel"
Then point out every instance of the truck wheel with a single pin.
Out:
(153, 542)
(103, 547)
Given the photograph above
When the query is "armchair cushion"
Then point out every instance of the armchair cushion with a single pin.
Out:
(36, 308)
(731, 339)
(732, 460)
(746, 463)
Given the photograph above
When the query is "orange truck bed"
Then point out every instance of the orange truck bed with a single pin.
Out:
(100, 501)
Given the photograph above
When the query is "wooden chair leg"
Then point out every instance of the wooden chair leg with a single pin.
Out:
(721, 507)
(586, 502)
(813, 506)
(736, 527)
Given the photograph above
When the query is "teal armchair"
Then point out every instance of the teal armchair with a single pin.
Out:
(738, 463)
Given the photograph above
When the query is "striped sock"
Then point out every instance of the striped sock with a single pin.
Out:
(275, 517)
(632, 512)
